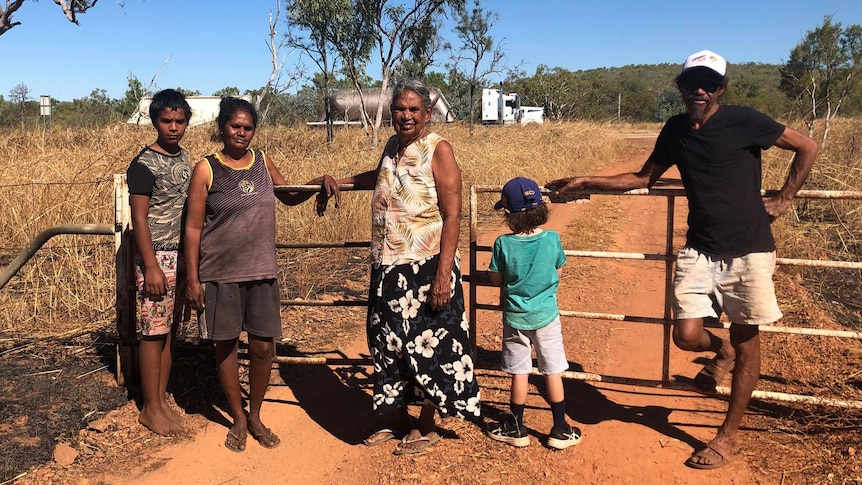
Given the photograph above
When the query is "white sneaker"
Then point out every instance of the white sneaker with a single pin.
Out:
(510, 433)
(561, 440)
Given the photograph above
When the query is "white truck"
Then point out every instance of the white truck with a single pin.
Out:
(499, 108)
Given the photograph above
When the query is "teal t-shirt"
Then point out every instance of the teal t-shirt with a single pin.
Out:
(528, 265)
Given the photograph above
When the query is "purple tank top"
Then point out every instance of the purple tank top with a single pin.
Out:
(238, 238)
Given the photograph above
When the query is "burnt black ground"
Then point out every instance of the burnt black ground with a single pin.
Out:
(49, 391)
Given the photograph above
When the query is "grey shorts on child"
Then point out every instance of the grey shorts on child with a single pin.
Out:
(548, 342)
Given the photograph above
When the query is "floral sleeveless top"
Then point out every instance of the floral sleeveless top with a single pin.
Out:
(406, 224)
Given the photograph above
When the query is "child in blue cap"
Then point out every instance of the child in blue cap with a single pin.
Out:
(527, 265)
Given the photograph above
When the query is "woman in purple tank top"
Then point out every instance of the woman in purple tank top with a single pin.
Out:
(230, 249)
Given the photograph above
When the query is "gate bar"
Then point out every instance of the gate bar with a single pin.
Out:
(43, 237)
(669, 259)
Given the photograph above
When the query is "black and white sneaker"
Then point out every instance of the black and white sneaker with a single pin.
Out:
(510, 433)
(561, 440)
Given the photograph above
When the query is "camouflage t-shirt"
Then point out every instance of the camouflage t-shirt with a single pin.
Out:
(165, 179)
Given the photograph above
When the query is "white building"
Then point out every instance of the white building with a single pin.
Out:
(204, 110)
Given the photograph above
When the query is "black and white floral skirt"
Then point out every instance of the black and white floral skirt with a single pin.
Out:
(421, 356)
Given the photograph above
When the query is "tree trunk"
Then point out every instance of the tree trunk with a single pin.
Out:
(472, 110)
(330, 131)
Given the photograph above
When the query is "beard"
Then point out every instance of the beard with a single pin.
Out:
(697, 111)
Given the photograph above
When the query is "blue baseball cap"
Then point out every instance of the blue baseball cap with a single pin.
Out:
(519, 194)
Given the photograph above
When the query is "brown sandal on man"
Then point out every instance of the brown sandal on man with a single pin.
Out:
(710, 457)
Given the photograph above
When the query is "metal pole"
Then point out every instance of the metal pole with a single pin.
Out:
(474, 218)
(668, 292)
(43, 237)
(619, 107)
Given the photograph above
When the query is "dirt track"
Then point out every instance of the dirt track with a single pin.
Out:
(631, 435)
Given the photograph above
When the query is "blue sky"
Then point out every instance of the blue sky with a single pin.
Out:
(221, 43)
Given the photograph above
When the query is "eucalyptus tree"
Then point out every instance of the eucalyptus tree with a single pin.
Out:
(71, 9)
(396, 26)
(822, 71)
(324, 31)
(344, 33)
(19, 96)
(466, 62)
(427, 42)
(227, 91)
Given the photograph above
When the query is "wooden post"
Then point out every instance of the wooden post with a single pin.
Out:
(127, 359)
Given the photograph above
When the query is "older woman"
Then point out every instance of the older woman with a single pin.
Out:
(418, 333)
(230, 252)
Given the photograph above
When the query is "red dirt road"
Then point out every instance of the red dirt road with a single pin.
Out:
(632, 435)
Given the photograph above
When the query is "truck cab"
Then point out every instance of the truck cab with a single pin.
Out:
(505, 109)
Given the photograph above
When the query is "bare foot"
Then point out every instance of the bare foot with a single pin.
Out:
(158, 422)
(173, 415)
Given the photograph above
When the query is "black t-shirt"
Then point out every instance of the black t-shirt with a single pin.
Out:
(720, 166)
(140, 178)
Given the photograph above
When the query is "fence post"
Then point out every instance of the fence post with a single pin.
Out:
(127, 361)
(668, 292)
(474, 237)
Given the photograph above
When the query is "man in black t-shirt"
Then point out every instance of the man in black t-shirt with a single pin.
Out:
(729, 256)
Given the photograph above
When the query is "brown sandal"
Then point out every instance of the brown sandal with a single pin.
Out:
(267, 439)
(235, 443)
(712, 456)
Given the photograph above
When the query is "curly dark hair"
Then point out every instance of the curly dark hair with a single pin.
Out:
(524, 222)
(169, 98)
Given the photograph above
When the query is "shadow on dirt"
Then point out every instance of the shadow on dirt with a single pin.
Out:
(587, 405)
(333, 397)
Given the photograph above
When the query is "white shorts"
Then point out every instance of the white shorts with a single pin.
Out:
(548, 342)
(706, 284)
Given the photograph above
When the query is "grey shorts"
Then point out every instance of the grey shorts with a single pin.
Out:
(548, 342)
(705, 285)
(253, 306)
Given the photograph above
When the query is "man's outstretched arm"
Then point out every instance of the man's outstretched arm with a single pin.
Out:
(646, 177)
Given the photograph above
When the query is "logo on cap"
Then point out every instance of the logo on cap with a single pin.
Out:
(707, 59)
(519, 194)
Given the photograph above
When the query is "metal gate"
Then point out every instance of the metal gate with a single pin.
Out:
(125, 288)
(668, 257)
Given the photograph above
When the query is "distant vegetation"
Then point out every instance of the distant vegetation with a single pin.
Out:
(641, 92)
(646, 93)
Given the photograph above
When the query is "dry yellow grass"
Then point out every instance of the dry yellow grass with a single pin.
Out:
(63, 176)
(826, 229)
